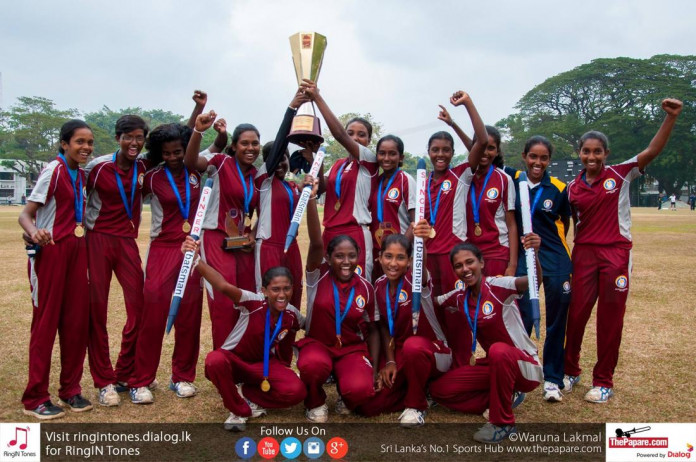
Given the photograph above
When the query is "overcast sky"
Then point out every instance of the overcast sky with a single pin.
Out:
(394, 59)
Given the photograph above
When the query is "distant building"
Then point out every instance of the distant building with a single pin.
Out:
(565, 169)
(13, 185)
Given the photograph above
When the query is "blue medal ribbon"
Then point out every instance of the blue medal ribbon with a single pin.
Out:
(339, 175)
(382, 198)
(291, 197)
(268, 340)
(248, 193)
(433, 213)
(183, 209)
(473, 324)
(128, 206)
(536, 198)
(337, 306)
(476, 204)
(392, 317)
(79, 204)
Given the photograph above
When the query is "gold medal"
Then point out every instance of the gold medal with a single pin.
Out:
(247, 221)
(337, 207)
(477, 229)
(186, 227)
(79, 230)
(432, 233)
(265, 385)
(379, 234)
(472, 360)
(391, 344)
(338, 344)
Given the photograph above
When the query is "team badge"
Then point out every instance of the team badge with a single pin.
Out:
(403, 296)
(358, 270)
(393, 194)
(459, 285)
(566, 287)
(360, 301)
(193, 180)
(621, 282)
(141, 178)
(609, 184)
(446, 186)
(487, 308)
(492, 193)
(548, 203)
(282, 334)
(84, 192)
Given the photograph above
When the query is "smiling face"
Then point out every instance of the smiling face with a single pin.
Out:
(359, 133)
(467, 267)
(247, 148)
(490, 153)
(79, 148)
(343, 260)
(536, 161)
(395, 261)
(278, 292)
(283, 167)
(131, 143)
(388, 156)
(593, 156)
(440, 152)
(173, 154)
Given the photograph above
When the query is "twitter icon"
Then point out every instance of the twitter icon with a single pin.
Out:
(290, 448)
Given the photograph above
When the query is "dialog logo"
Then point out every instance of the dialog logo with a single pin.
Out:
(291, 448)
(313, 448)
(245, 448)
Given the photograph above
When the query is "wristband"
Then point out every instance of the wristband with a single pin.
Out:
(390, 362)
(198, 131)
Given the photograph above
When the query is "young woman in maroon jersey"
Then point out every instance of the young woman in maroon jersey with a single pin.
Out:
(53, 219)
(258, 350)
(349, 183)
(340, 310)
(413, 345)
(492, 317)
(599, 199)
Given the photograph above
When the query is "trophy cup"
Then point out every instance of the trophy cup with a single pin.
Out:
(235, 224)
(307, 54)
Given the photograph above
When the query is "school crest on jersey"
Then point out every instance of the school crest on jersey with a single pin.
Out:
(548, 204)
(359, 270)
(360, 301)
(393, 194)
(609, 184)
(193, 180)
(492, 193)
(84, 192)
(459, 285)
(282, 335)
(621, 283)
(566, 287)
(403, 296)
(141, 178)
(487, 308)
(446, 186)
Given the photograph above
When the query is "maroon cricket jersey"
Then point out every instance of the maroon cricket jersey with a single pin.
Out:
(397, 200)
(320, 323)
(227, 197)
(450, 218)
(498, 198)
(246, 339)
(499, 318)
(274, 206)
(357, 181)
(602, 211)
(167, 221)
(428, 324)
(54, 190)
(105, 211)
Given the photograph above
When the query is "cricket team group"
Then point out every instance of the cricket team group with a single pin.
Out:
(467, 347)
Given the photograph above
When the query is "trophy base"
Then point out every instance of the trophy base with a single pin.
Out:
(235, 243)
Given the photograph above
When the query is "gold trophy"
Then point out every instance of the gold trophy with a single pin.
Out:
(235, 224)
(307, 54)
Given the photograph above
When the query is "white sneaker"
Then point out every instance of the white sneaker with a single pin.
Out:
(490, 433)
(412, 418)
(122, 387)
(485, 414)
(141, 395)
(552, 393)
(183, 389)
(108, 396)
(256, 410)
(341, 408)
(569, 381)
(599, 395)
(318, 414)
(235, 423)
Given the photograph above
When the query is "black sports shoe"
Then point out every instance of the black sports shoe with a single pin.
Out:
(46, 411)
(78, 403)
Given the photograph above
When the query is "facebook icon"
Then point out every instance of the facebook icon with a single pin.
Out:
(245, 448)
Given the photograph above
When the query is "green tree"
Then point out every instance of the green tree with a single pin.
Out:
(30, 131)
(620, 97)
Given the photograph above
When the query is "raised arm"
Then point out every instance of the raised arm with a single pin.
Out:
(281, 140)
(446, 118)
(211, 275)
(192, 160)
(220, 142)
(200, 98)
(462, 98)
(673, 108)
(332, 121)
(315, 254)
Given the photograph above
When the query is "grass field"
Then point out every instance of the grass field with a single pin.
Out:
(655, 380)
